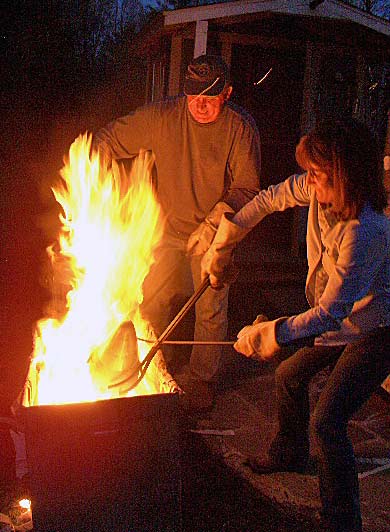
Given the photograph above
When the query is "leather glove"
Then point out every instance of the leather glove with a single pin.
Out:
(258, 340)
(200, 240)
(216, 262)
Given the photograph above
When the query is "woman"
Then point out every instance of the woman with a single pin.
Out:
(348, 324)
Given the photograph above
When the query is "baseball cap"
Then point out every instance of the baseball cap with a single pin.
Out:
(206, 74)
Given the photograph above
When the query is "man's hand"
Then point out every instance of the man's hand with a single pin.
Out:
(258, 340)
(200, 240)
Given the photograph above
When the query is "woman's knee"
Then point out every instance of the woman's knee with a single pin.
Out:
(325, 427)
(285, 373)
(318, 425)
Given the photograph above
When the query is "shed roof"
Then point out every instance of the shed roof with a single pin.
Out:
(327, 9)
(332, 21)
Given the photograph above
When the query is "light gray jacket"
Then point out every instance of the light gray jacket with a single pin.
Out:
(354, 255)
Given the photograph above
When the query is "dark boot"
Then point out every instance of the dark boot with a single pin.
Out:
(267, 466)
(198, 396)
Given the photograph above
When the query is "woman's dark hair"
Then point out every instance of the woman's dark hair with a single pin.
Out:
(348, 153)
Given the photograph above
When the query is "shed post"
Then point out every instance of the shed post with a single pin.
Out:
(200, 46)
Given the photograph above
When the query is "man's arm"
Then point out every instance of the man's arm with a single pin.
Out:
(244, 165)
(126, 136)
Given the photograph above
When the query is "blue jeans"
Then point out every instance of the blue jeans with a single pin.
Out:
(357, 371)
(172, 278)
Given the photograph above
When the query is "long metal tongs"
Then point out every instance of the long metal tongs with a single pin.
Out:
(139, 373)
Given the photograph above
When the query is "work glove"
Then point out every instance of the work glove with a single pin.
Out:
(200, 240)
(258, 340)
(216, 263)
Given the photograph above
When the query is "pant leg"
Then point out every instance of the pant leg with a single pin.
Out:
(292, 379)
(166, 286)
(360, 369)
(211, 323)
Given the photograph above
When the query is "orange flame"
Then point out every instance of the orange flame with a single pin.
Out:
(110, 227)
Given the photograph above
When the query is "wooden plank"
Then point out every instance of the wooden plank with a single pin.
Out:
(175, 64)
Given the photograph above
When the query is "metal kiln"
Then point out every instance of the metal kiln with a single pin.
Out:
(106, 466)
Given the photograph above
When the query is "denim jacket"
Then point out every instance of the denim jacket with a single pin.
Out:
(352, 256)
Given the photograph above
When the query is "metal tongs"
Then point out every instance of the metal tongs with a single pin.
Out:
(139, 373)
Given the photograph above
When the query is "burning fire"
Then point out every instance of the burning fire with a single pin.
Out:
(109, 229)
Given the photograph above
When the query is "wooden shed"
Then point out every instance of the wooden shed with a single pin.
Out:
(291, 62)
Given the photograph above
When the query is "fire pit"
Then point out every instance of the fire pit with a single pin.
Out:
(105, 466)
(98, 458)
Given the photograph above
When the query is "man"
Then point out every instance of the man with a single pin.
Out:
(207, 162)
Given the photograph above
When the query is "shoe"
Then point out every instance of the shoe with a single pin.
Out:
(267, 466)
(197, 396)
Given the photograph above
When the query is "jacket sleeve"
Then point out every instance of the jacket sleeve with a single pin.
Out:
(361, 255)
(292, 192)
(126, 136)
